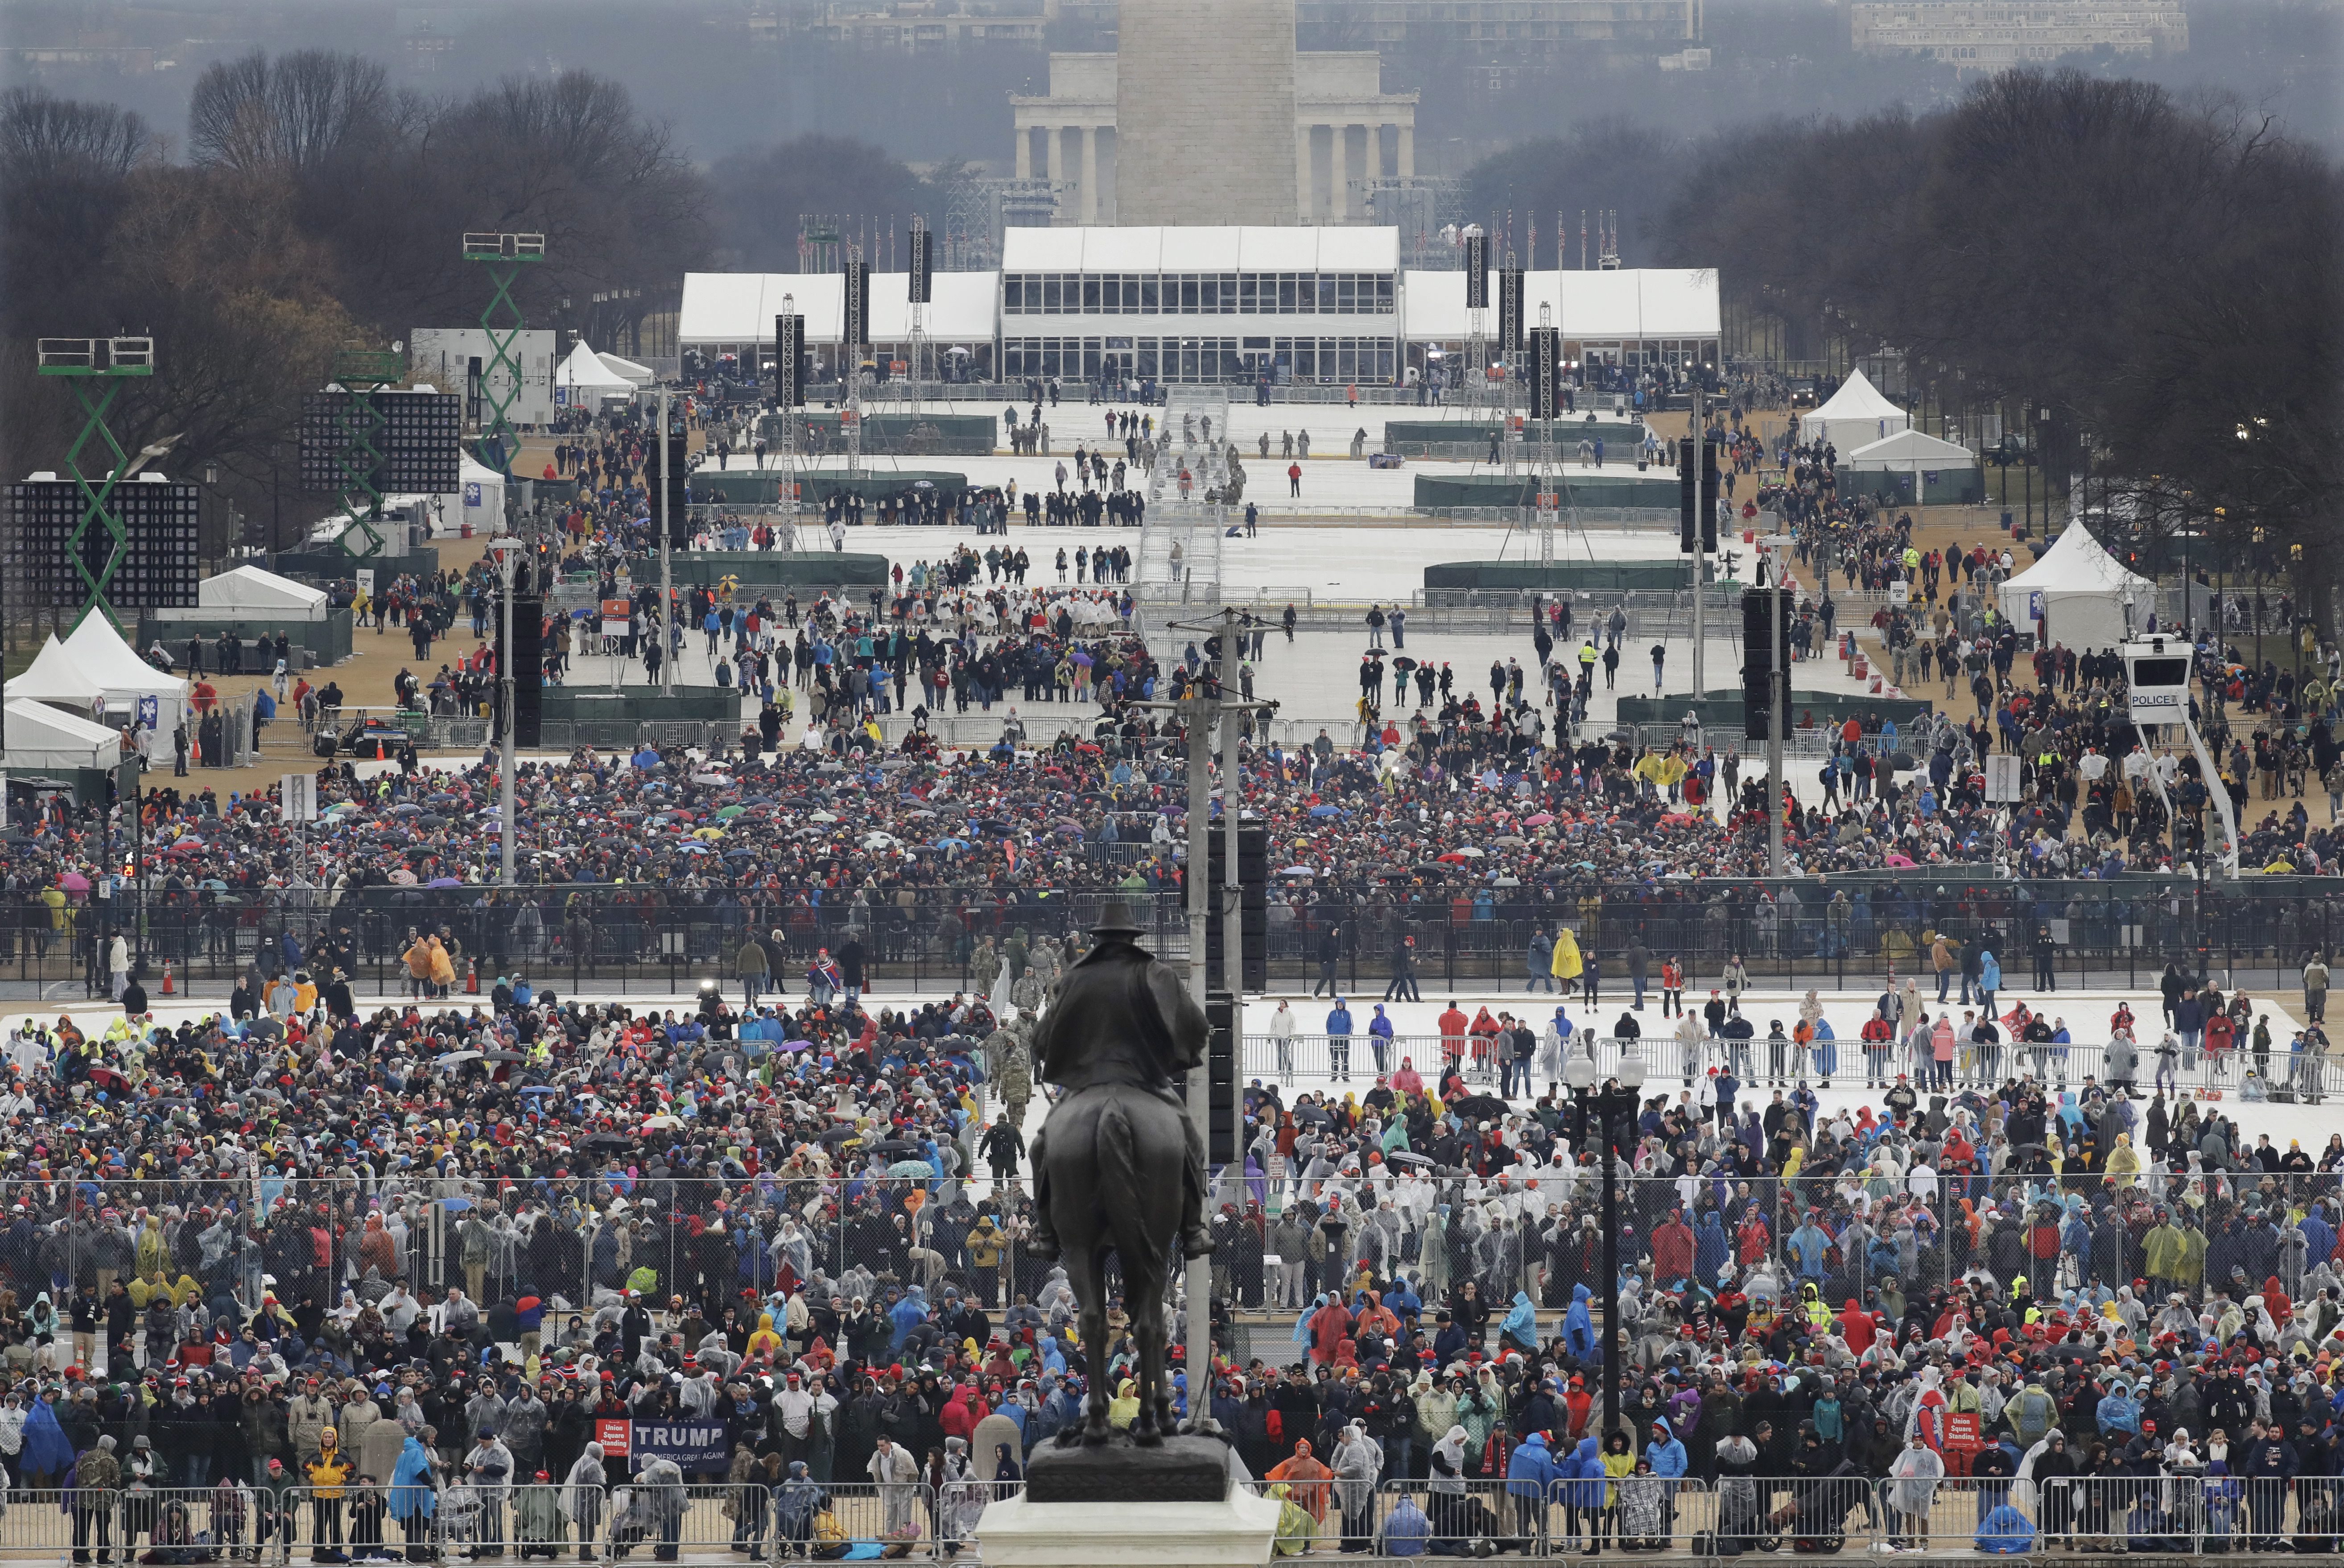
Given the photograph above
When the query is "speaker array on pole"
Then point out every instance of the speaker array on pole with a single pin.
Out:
(1763, 655)
(789, 361)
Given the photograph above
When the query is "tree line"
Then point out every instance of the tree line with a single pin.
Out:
(2151, 282)
(314, 207)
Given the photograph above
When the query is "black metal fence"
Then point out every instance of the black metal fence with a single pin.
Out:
(1847, 932)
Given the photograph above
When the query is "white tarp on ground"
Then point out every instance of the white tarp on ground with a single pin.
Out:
(584, 372)
(2078, 592)
(46, 740)
(1909, 451)
(101, 654)
(247, 590)
(1854, 417)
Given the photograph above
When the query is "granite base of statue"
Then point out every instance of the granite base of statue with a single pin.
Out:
(1119, 1170)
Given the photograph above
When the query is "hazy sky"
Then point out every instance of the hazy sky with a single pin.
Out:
(694, 63)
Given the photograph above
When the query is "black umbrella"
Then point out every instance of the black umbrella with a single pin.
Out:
(1901, 760)
(502, 1056)
(898, 1145)
(609, 1140)
(1480, 1107)
(838, 1134)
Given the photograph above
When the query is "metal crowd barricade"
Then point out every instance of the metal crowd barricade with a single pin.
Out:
(1471, 1511)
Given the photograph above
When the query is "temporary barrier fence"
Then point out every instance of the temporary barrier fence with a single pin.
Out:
(1763, 1060)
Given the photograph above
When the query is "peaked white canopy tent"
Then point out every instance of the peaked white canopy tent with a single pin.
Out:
(1855, 417)
(2078, 595)
(586, 375)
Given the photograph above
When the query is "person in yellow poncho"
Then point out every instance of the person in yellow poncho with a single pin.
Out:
(2123, 1167)
(1567, 963)
(1124, 1409)
(1295, 1528)
(764, 1341)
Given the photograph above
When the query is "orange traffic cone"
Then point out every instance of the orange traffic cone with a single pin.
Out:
(471, 976)
(168, 988)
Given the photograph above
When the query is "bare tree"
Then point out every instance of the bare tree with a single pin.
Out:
(301, 111)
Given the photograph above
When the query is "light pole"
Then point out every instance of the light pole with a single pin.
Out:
(1620, 1095)
(504, 549)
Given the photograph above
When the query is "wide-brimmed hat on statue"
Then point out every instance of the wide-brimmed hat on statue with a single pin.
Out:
(1115, 920)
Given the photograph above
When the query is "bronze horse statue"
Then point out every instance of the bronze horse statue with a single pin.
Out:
(1119, 1165)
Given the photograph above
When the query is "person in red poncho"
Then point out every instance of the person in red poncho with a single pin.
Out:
(1857, 1326)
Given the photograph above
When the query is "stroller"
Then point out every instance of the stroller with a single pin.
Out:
(463, 1510)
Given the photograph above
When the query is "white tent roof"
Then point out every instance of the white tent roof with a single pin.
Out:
(100, 650)
(1911, 450)
(641, 375)
(54, 676)
(43, 739)
(1629, 305)
(738, 306)
(1201, 249)
(1858, 398)
(248, 590)
(2078, 563)
(585, 369)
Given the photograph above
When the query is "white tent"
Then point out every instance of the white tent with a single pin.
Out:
(586, 377)
(641, 375)
(45, 740)
(1854, 415)
(250, 594)
(1909, 451)
(2077, 595)
(484, 496)
(55, 677)
(100, 654)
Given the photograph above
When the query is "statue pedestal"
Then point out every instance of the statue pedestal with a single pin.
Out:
(1234, 1533)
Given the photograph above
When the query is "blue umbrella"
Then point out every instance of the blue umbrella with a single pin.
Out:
(1327, 810)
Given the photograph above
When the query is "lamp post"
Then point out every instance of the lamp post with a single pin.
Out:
(1620, 1093)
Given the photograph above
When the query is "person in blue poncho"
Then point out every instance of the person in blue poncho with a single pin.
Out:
(1530, 1474)
(1712, 1249)
(1579, 1328)
(2005, 1531)
(1521, 1327)
(46, 1455)
(414, 1497)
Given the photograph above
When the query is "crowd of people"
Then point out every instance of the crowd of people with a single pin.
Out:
(322, 1266)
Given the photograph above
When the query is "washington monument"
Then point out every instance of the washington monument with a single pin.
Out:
(1205, 112)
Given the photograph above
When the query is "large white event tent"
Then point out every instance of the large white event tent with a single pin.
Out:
(46, 740)
(1909, 451)
(250, 594)
(1855, 417)
(96, 664)
(2078, 595)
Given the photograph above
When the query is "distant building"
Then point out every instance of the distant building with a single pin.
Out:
(1992, 35)
(1347, 132)
(1512, 28)
(917, 26)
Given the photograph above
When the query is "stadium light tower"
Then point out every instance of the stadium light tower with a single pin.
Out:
(503, 256)
(96, 369)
